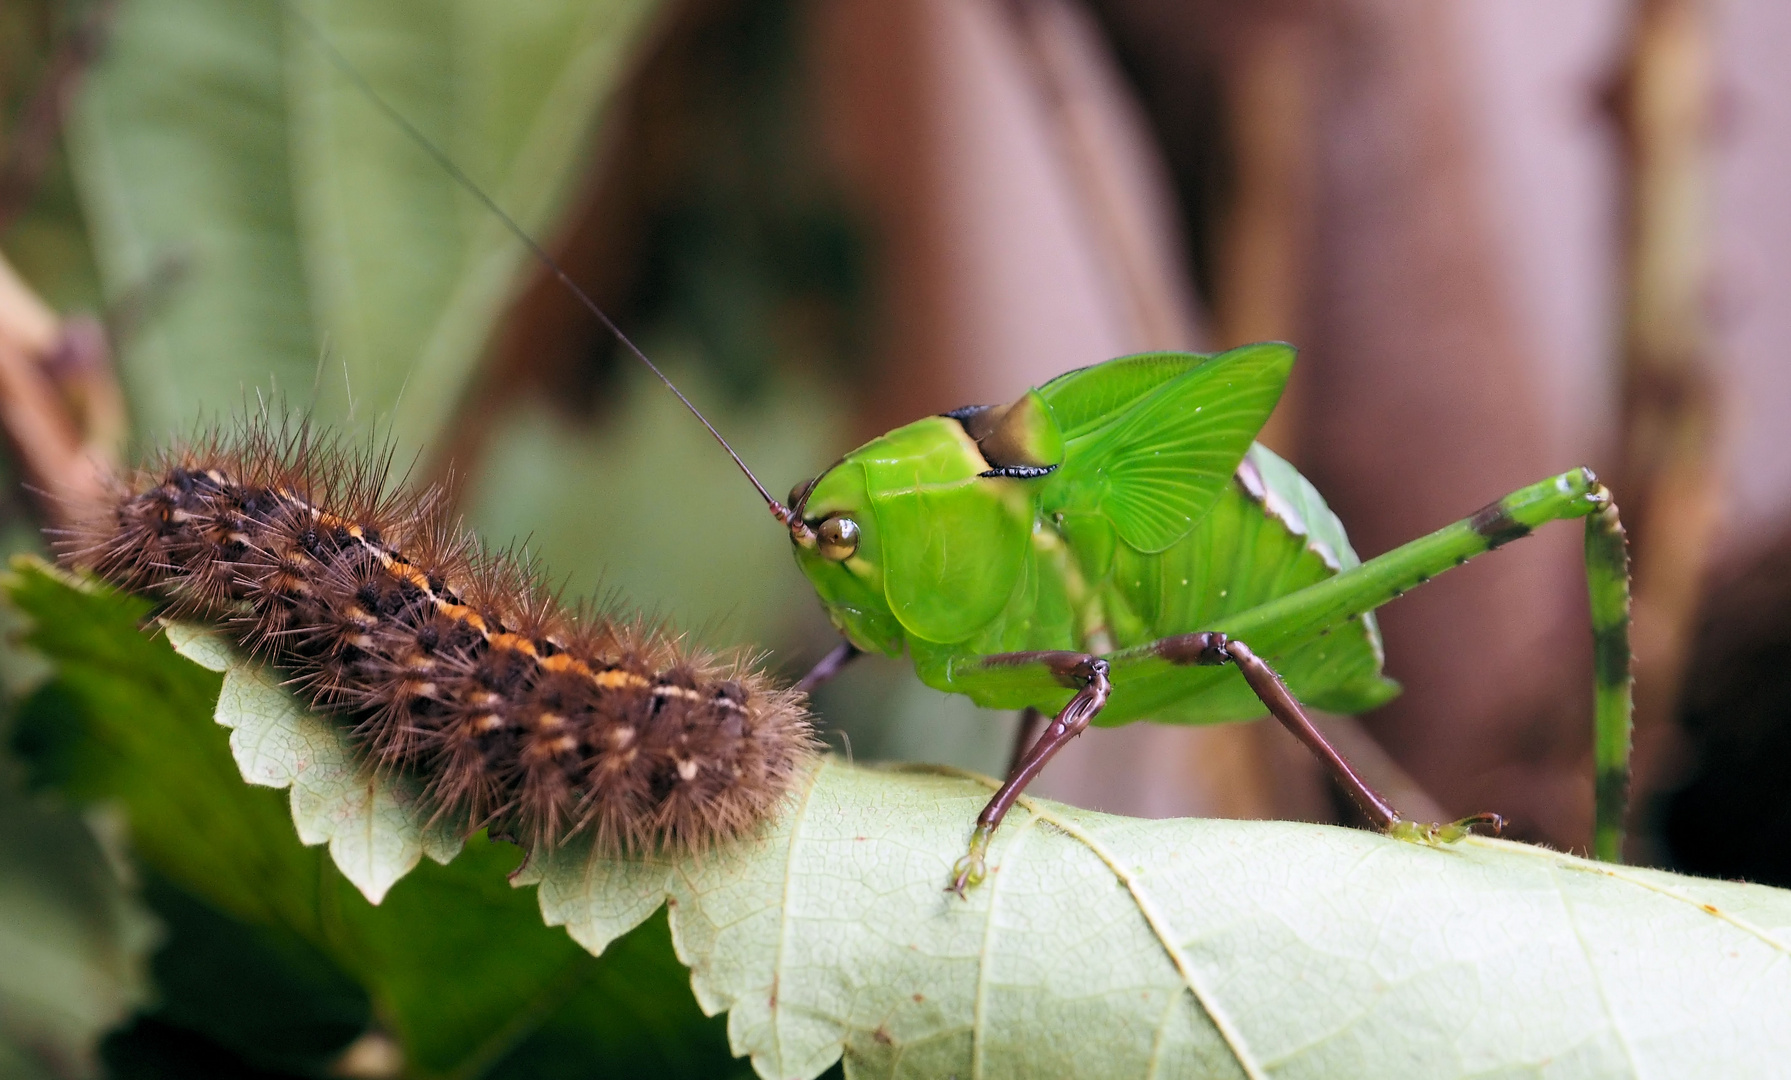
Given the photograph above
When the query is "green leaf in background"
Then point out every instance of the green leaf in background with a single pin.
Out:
(1100, 947)
(321, 252)
(73, 944)
(457, 964)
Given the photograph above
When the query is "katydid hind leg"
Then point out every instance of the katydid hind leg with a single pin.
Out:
(1287, 620)
(1208, 648)
(1607, 582)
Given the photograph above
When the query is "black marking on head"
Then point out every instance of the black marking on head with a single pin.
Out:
(963, 414)
(1018, 472)
(1495, 524)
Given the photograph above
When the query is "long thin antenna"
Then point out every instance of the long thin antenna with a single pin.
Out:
(428, 146)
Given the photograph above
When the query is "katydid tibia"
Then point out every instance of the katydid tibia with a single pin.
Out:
(1115, 546)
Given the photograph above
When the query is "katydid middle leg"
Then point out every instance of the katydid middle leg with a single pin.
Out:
(1211, 648)
(1089, 675)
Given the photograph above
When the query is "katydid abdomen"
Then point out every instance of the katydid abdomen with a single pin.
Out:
(1268, 534)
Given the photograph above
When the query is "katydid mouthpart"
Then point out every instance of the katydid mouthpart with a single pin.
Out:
(1114, 546)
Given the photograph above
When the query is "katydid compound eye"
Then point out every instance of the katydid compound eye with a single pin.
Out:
(839, 538)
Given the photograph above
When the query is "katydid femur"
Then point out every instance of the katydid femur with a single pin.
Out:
(1114, 546)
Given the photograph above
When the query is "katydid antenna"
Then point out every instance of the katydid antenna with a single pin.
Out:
(428, 146)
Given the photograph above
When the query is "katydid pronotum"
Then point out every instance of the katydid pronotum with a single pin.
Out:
(1114, 546)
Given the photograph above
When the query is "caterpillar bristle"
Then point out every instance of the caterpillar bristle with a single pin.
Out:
(450, 663)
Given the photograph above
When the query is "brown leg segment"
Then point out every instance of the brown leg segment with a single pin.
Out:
(1210, 648)
(830, 665)
(1024, 734)
(1089, 675)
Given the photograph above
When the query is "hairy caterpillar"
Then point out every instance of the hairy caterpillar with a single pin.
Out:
(454, 664)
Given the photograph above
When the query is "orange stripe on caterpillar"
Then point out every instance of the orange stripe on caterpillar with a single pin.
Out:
(519, 716)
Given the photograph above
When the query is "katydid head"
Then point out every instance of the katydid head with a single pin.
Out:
(924, 531)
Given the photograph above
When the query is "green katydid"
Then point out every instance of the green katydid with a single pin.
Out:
(1114, 546)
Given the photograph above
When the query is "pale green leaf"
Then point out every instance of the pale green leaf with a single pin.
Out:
(377, 828)
(1106, 946)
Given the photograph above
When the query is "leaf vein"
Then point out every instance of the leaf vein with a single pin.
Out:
(1158, 923)
(798, 815)
(1024, 832)
(1586, 866)
(1592, 967)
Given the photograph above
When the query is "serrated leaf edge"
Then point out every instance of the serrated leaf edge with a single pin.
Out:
(370, 801)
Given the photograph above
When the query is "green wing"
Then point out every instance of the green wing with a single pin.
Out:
(1154, 464)
(1086, 397)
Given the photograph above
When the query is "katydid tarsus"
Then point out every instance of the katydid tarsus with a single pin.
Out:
(1114, 546)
